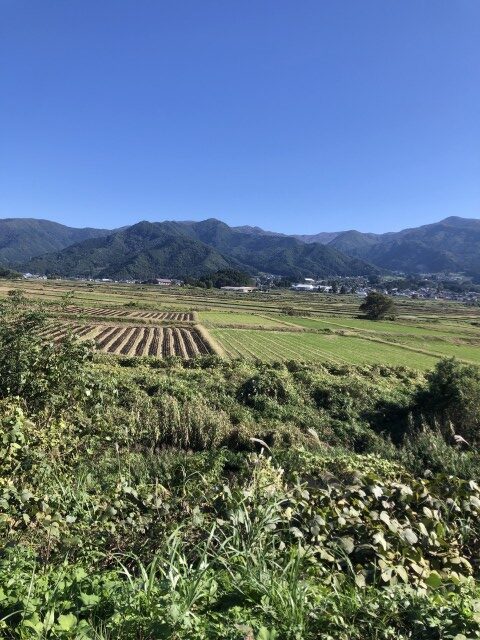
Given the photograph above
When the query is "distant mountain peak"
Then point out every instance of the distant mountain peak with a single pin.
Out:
(457, 221)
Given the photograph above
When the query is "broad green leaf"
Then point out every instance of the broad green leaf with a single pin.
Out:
(266, 634)
(475, 502)
(360, 580)
(377, 491)
(400, 571)
(379, 539)
(89, 599)
(384, 517)
(409, 536)
(347, 544)
(325, 555)
(434, 580)
(34, 623)
(67, 622)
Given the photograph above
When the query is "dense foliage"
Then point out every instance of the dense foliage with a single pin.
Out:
(451, 245)
(378, 306)
(9, 273)
(25, 238)
(202, 499)
(222, 278)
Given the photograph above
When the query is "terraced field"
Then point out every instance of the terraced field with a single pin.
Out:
(400, 327)
(137, 340)
(184, 299)
(235, 318)
(112, 312)
(441, 338)
(284, 345)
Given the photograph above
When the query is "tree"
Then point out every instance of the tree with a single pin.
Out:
(222, 278)
(9, 274)
(377, 306)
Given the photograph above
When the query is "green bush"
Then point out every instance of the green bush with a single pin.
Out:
(268, 384)
(451, 401)
(48, 377)
(378, 306)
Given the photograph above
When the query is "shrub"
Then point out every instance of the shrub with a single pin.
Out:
(48, 377)
(451, 400)
(267, 384)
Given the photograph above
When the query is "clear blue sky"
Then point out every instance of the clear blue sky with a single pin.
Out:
(299, 116)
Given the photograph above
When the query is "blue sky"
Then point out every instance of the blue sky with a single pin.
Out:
(298, 116)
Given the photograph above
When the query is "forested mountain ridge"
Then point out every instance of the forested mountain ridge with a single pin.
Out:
(179, 249)
(453, 244)
(25, 238)
(144, 250)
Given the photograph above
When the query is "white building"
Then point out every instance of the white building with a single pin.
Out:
(303, 287)
(239, 289)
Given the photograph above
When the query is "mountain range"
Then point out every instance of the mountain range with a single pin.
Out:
(451, 245)
(180, 249)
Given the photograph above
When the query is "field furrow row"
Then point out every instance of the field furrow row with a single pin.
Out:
(98, 312)
(136, 340)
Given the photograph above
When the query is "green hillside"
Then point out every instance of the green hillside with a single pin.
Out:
(174, 249)
(450, 245)
(144, 250)
(25, 238)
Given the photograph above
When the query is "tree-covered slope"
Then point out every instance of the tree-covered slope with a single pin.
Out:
(144, 250)
(164, 248)
(278, 254)
(25, 238)
(180, 249)
(450, 245)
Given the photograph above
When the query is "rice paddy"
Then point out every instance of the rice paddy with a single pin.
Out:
(147, 320)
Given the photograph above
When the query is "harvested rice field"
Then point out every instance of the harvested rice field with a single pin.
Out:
(112, 312)
(142, 340)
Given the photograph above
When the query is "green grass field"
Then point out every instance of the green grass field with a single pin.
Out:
(308, 347)
(235, 318)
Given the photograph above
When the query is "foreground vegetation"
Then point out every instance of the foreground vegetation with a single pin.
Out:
(239, 499)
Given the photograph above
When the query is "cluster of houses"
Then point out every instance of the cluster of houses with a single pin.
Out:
(424, 293)
(429, 293)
